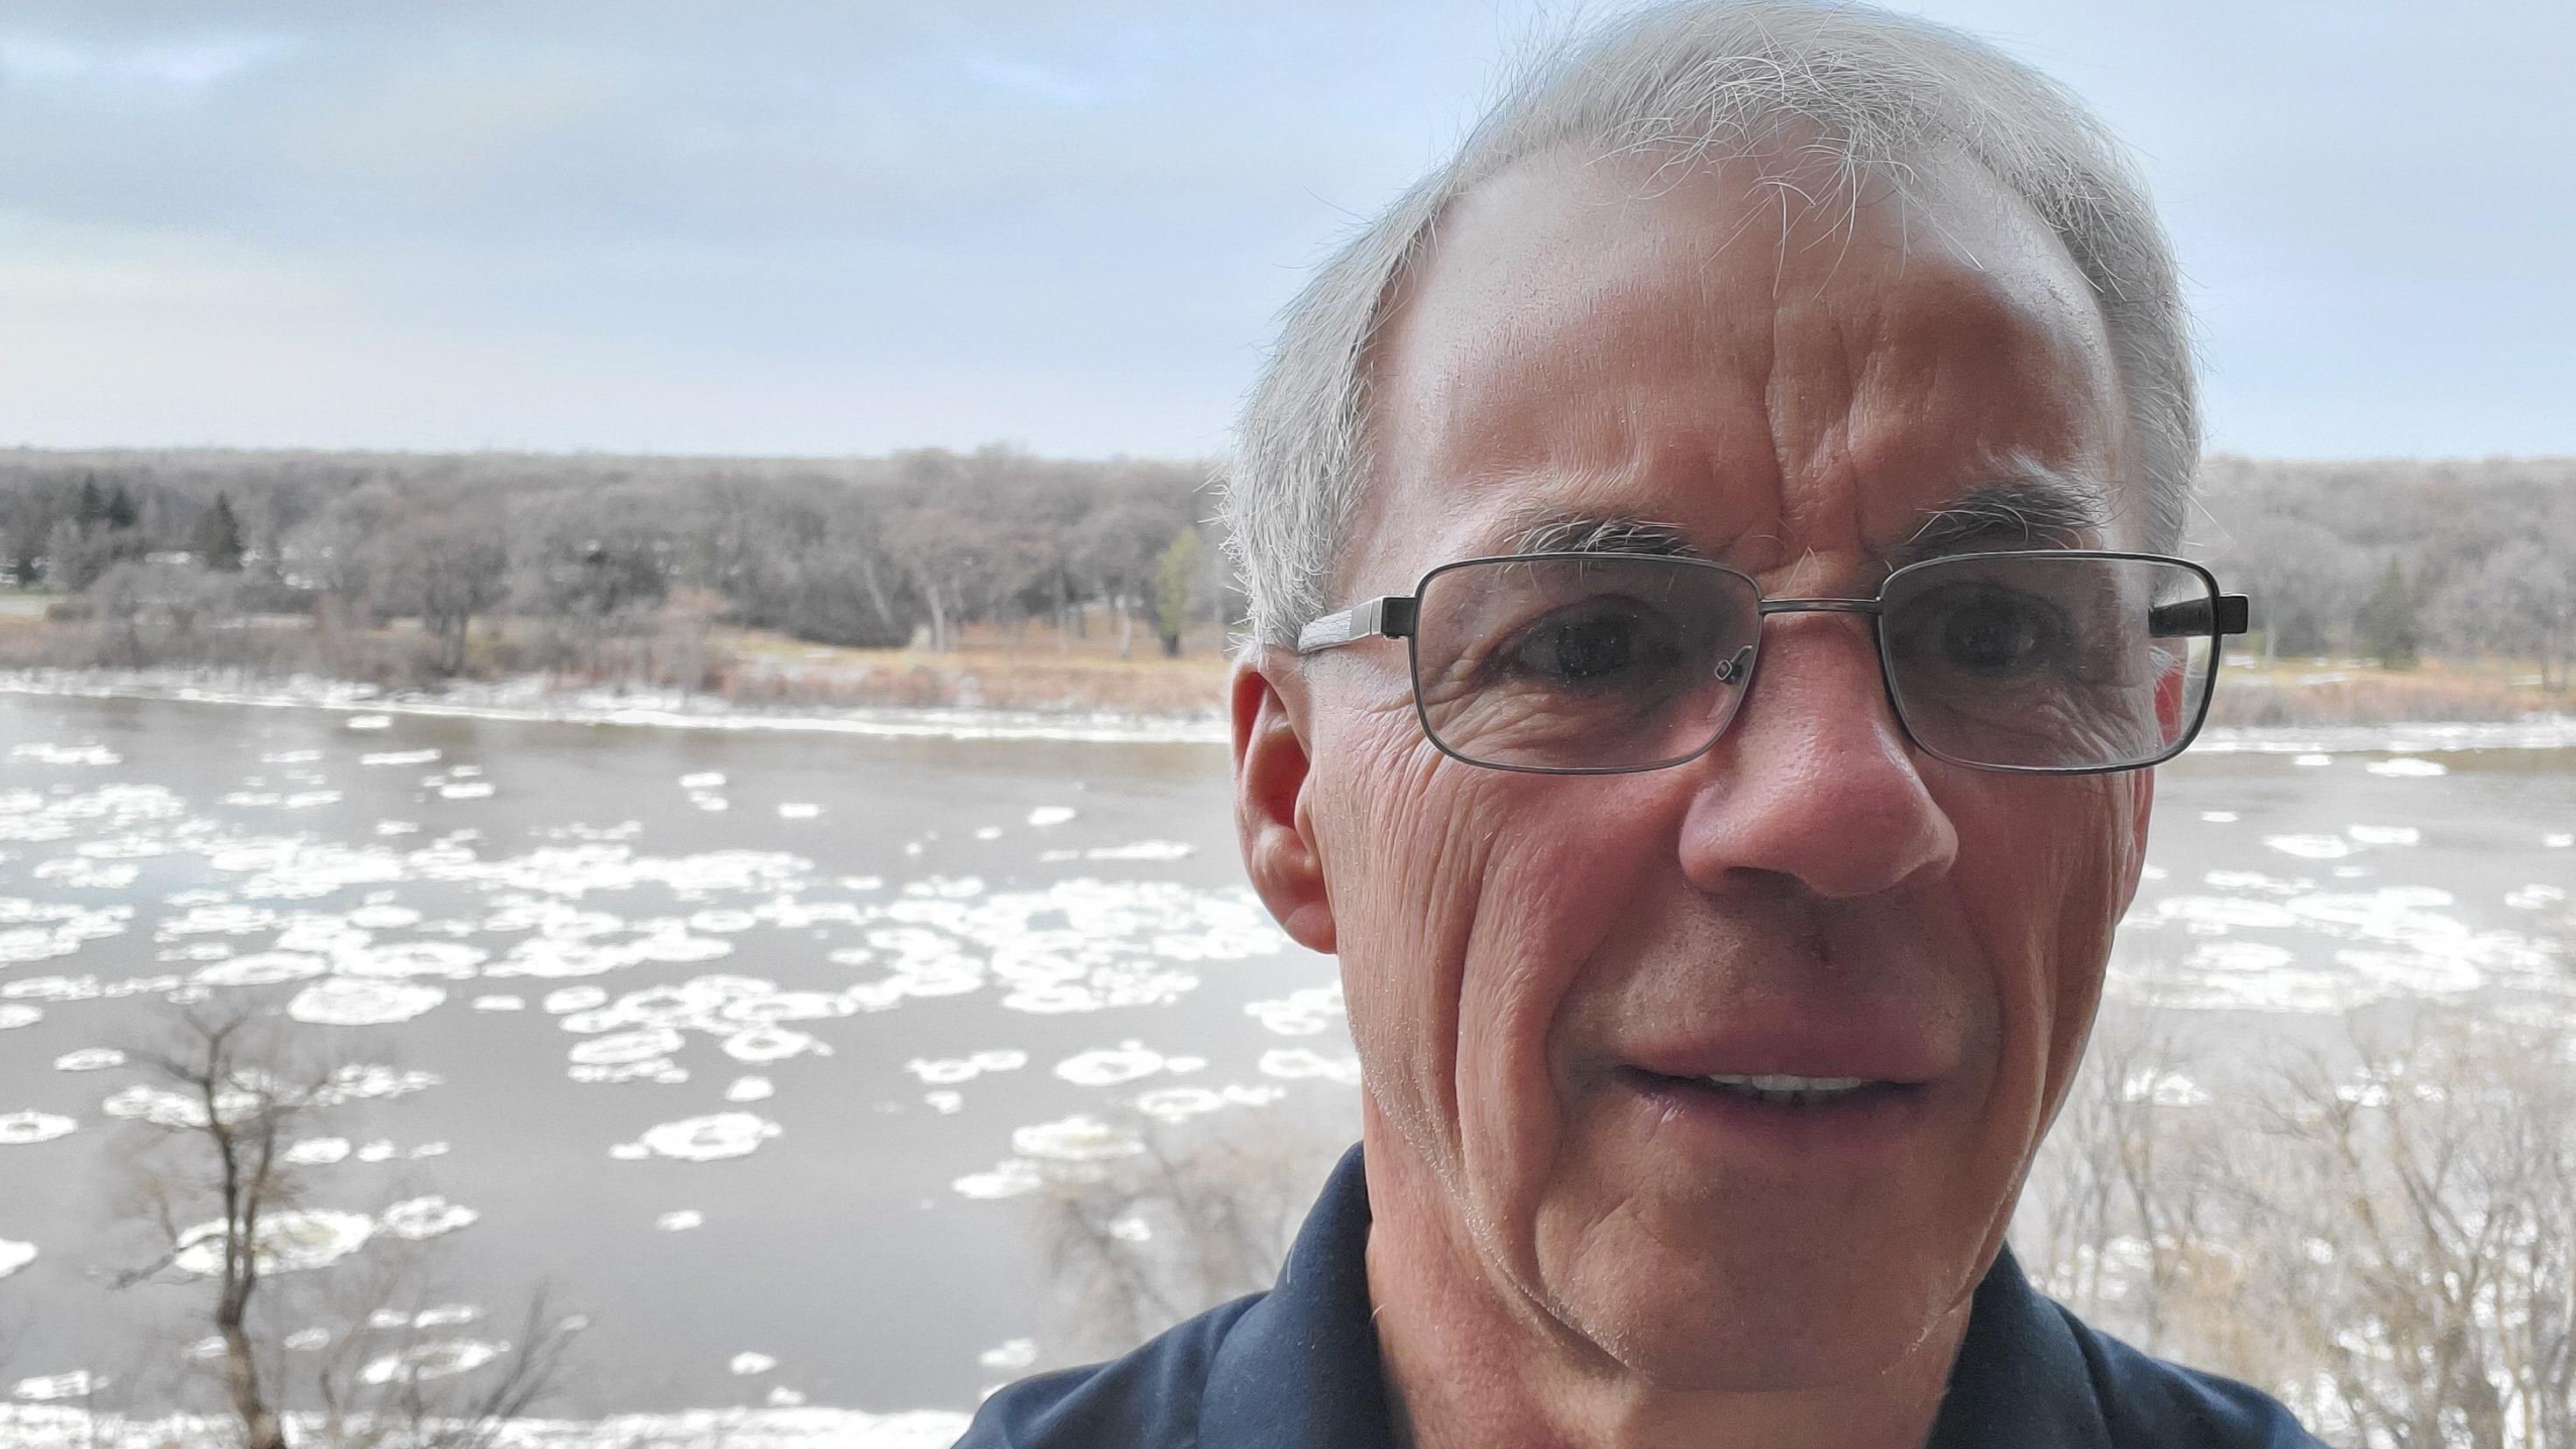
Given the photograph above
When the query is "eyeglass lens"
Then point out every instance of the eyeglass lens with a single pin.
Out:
(2036, 660)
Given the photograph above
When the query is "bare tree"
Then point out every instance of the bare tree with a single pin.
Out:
(223, 1097)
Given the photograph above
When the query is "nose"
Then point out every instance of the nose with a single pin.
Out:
(1814, 781)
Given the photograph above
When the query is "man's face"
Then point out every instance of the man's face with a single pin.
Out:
(1541, 970)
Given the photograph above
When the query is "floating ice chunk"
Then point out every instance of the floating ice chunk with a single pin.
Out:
(434, 1360)
(1143, 850)
(1046, 815)
(575, 998)
(400, 757)
(661, 1071)
(749, 1089)
(397, 827)
(2311, 762)
(384, 916)
(2534, 897)
(14, 1015)
(291, 757)
(317, 1151)
(368, 722)
(711, 1138)
(783, 1397)
(380, 1150)
(798, 810)
(748, 1363)
(77, 1384)
(447, 1315)
(52, 754)
(14, 1256)
(151, 1104)
(703, 780)
(422, 1218)
(628, 1046)
(947, 1102)
(1110, 1066)
(288, 1242)
(1010, 1356)
(450, 960)
(1292, 1063)
(1079, 1138)
(89, 1059)
(681, 1220)
(2385, 834)
(304, 1340)
(500, 1003)
(2219, 817)
(2310, 847)
(22, 1129)
(723, 923)
(2407, 767)
(465, 790)
(353, 1001)
(2247, 956)
(2558, 840)
(369, 1082)
(81, 873)
(948, 1071)
(988, 832)
(629, 1151)
(1300, 1013)
(1012, 1177)
(771, 1044)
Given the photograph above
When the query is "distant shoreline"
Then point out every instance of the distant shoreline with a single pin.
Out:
(535, 700)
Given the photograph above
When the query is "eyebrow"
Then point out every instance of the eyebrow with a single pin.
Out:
(2040, 508)
(2036, 507)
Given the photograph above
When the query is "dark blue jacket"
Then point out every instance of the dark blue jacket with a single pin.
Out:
(1297, 1368)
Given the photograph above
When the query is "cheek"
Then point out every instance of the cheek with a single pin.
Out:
(2046, 867)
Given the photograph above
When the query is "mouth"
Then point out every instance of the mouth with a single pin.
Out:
(1773, 1114)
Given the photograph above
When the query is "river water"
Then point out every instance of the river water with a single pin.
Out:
(753, 1044)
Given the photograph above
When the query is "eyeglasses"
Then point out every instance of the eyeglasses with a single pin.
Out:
(2057, 662)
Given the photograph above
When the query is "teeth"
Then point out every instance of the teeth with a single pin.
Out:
(1786, 1090)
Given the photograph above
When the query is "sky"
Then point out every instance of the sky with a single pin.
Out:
(821, 229)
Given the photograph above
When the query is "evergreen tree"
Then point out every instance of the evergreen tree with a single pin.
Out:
(1175, 586)
(217, 539)
(120, 508)
(91, 510)
(2386, 629)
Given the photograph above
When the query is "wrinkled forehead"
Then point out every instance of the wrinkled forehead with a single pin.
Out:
(1766, 352)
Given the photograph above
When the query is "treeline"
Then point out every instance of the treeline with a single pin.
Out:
(617, 567)
(2393, 560)
(600, 557)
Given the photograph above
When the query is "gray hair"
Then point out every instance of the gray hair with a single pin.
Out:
(1692, 77)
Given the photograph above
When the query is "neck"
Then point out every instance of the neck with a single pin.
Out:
(1472, 1365)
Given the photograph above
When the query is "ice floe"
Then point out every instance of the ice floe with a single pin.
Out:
(2535, 897)
(2558, 840)
(421, 1218)
(1301, 1013)
(710, 1138)
(400, 757)
(947, 1101)
(288, 1242)
(2385, 834)
(368, 722)
(500, 1003)
(89, 1059)
(1180, 1104)
(353, 1001)
(44, 753)
(2310, 847)
(2407, 767)
(1010, 1356)
(1011, 1177)
(798, 810)
(2313, 761)
(1126, 1062)
(21, 1129)
(748, 1363)
(2219, 817)
(15, 1255)
(703, 780)
(680, 1220)
(1046, 815)
(1079, 1138)
(15, 1014)
(436, 1359)
(1294, 1063)
(949, 1071)
(749, 1089)
(317, 1151)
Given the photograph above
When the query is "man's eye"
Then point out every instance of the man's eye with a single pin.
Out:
(1995, 631)
(1585, 648)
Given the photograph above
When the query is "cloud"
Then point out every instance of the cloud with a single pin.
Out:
(178, 65)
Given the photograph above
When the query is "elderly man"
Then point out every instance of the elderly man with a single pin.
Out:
(1711, 637)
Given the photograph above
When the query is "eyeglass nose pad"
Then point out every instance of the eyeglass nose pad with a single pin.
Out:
(1733, 670)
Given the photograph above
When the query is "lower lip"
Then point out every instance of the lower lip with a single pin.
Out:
(1862, 1124)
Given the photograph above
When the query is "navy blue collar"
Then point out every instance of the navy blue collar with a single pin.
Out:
(1300, 1368)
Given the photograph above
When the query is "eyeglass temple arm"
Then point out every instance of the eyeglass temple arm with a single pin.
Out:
(1390, 616)
(2197, 618)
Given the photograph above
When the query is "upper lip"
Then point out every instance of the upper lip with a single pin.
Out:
(1870, 1052)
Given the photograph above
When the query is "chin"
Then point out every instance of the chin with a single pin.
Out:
(1756, 1314)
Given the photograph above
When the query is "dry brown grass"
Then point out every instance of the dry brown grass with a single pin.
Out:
(2318, 692)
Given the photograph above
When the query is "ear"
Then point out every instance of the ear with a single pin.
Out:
(1271, 764)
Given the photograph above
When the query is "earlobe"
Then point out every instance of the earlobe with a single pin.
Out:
(1270, 778)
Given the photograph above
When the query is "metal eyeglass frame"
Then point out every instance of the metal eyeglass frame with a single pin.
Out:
(1392, 616)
